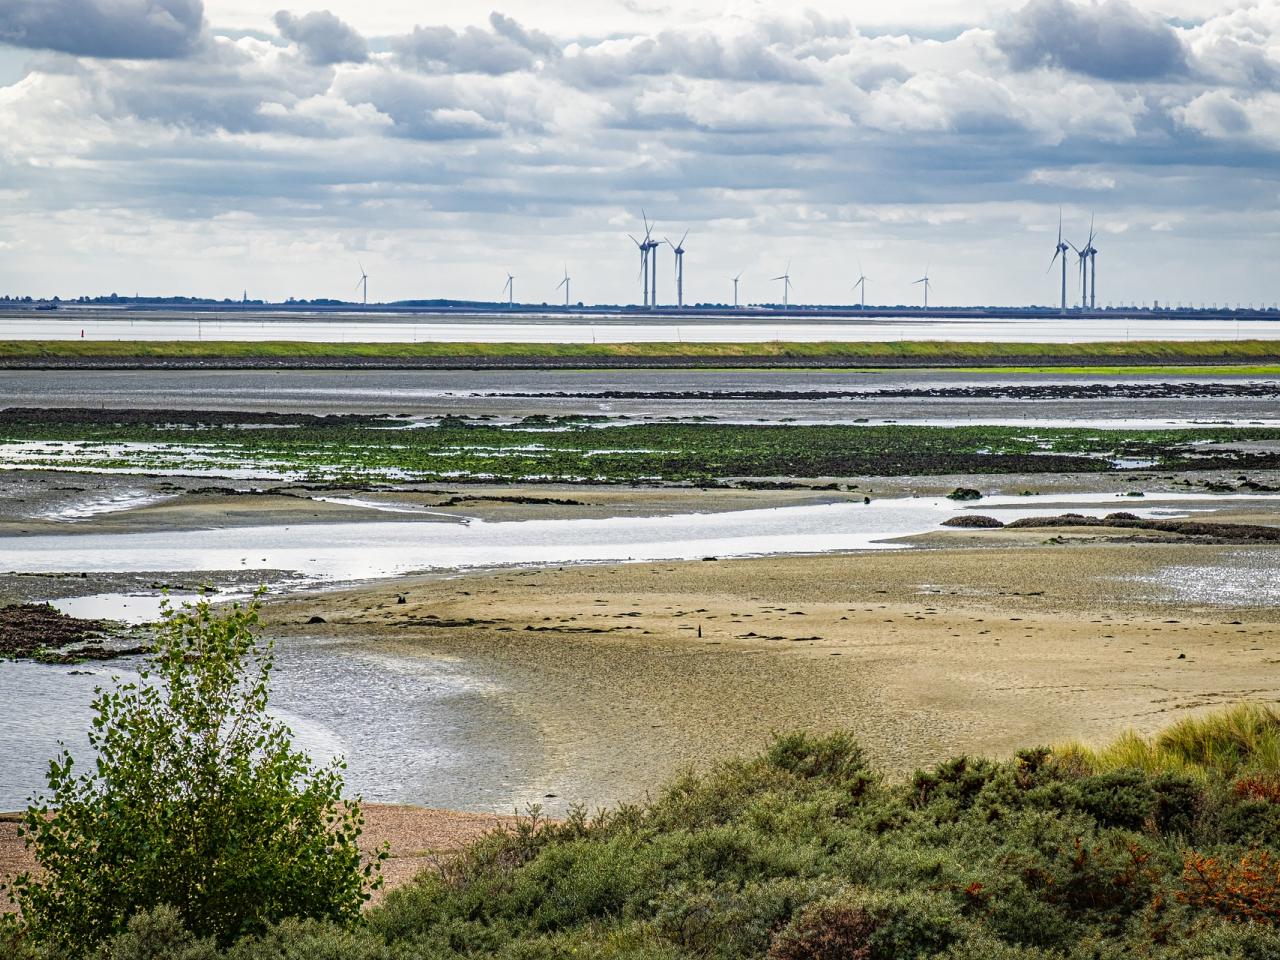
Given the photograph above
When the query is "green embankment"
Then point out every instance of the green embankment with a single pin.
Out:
(1259, 355)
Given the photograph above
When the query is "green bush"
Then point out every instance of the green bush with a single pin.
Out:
(802, 852)
(196, 801)
(157, 935)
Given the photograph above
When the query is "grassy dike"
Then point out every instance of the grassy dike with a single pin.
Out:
(1252, 356)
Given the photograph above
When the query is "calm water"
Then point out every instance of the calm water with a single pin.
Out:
(412, 728)
(380, 548)
(807, 396)
(375, 329)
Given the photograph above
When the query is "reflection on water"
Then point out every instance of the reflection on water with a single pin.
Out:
(412, 728)
(1243, 578)
(376, 549)
(130, 608)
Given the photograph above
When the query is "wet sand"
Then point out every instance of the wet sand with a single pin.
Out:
(629, 673)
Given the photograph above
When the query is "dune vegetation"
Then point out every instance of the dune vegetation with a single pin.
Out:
(1169, 852)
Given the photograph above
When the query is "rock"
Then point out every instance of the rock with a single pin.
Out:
(1113, 517)
(973, 521)
(317, 620)
(964, 493)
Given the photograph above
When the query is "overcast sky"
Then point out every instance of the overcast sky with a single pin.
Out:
(188, 147)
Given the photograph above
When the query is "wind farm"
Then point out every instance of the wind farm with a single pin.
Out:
(916, 298)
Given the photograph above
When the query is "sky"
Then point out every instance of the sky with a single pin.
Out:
(168, 147)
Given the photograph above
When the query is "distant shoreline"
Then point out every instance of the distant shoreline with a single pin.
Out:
(1258, 357)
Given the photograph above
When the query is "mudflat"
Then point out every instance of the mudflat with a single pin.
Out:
(986, 643)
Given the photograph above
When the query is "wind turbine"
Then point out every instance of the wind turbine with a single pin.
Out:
(510, 290)
(1087, 258)
(927, 285)
(565, 283)
(679, 250)
(644, 266)
(862, 283)
(786, 285)
(735, 287)
(363, 281)
(1091, 252)
(1061, 251)
(652, 246)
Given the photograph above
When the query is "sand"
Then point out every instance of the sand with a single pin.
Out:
(629, 673)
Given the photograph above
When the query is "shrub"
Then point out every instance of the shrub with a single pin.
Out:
(1247, 890)
(197, 801)
(157, 935)
(833, 929)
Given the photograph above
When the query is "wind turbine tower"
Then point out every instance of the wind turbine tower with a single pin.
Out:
(362, 282)
(1092, 253)
(862, 285)
(565, 283)
(510, 290)
(786, 286)
(644, 267)
(653, 270)
(735, 288)
(1088, 259)
(679, 251)
(927, 285)
(1060, 251)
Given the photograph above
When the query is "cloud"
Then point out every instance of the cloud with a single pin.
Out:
(748, 58)
(1111, 40)
(507, 48)
(1073, 178)
(322, 37)
(442, 147)
(125, 29)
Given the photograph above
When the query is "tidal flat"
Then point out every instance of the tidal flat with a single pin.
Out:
(361, 449)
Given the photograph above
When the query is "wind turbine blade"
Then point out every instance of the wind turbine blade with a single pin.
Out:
(684, 238)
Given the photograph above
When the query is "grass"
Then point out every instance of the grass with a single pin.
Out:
(805, 853)
(1149, 354)
(1242, 739)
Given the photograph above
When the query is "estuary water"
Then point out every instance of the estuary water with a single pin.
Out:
(731, 328)
(416, 728)
(344, 552)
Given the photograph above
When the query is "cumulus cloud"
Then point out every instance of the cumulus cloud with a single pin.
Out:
(701, 54)
(126, 29)
(752, 123)
(506, 48)
(1111, 40)
(322, 37)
